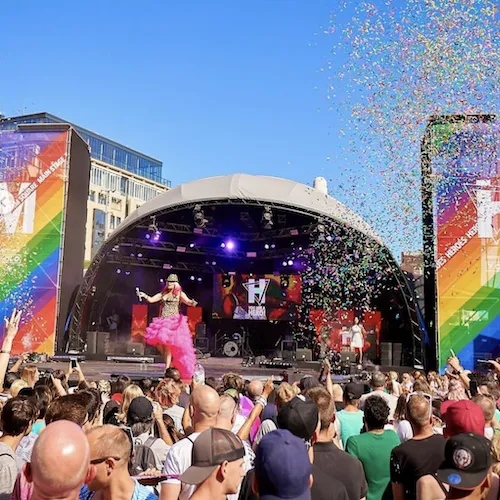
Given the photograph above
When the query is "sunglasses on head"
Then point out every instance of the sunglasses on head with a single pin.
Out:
(420, 393)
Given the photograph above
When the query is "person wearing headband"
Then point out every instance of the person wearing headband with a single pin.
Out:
(170, 333)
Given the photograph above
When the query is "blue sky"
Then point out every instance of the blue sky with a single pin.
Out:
(207, 87)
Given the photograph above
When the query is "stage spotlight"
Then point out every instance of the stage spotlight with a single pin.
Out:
(199, 217)
(273, 246)
(148, 236)
(267, 246)
(229, 245)
(127, 273)
(284, 281)
(267, 218)
(226, 281)
(223, 245)
(191, 245)
(162, 280)
(214, 263)
(200, 278)
(139, 255)
(290, 262)
(192, 278)
(118, 271)
(284, 263)
(132, 254)
(156, 235)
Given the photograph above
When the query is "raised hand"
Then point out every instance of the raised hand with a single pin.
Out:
(12, 324)
(268, 388)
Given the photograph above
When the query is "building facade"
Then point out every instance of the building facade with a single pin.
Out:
(121, 180)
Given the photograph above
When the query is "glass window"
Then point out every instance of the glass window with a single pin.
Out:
(118, 221)
(112, 222)
(92, 195)
(102, 199)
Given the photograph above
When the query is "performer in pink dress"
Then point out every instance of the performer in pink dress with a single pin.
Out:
(170, 332)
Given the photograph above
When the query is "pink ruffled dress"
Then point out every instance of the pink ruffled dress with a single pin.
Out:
(171, 329)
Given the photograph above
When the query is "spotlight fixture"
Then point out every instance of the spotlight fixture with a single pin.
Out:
(290, 262)
(199, 217)
(118, 271)
(228, 245)
(267, 246)
(154, 232)
(284, 263)
(267, 218)
(284, 281)
(192, 278)
(199, 278)
(226, 281)
(139, 255)
(191, 245)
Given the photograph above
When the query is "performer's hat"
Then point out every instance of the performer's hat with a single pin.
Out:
(173, 278)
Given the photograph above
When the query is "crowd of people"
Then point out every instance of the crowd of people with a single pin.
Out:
(418, 436)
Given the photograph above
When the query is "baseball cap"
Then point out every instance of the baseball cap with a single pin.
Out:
(140, 410)
(467, 461)
(462, 416)
(300, 416)
(282, 467)
(211, 448)
(355, 391)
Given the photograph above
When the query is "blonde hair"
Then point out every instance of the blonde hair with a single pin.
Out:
(16, 386)
(130, 393)
(28, 374)
(167, 392)
(284, 393)
(393, 376)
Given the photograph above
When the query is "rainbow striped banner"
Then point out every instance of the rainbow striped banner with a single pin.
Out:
(33, 173)
(466, 166)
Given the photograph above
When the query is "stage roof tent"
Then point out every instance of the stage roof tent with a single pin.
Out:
(291, 194)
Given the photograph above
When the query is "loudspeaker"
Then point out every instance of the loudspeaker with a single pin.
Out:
(304, 355)
(397, 352)
(135, 348)
(200, 330)
(386, 353)
(201, 343)
(347, 357)
(97, 342)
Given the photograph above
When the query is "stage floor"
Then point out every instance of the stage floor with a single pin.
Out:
(214, 367)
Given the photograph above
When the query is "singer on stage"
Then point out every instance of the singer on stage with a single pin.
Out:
(170, 332)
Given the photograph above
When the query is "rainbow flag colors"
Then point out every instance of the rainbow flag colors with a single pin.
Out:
(466, 169)
(33, 173)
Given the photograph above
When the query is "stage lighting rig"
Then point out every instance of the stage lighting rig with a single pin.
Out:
(199, 217)
(267, 218)
(154, 232)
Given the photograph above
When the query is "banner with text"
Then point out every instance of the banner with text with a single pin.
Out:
(32, 190)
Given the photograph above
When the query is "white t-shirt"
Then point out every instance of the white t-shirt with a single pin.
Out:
(391, 400)
(404, 430)
(178, 460)
(176, 412)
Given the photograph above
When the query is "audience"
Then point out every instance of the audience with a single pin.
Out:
(203, 411)
(374, 447)
(60, 464)
(327, 456)
(110, 451)
(217, 465)
(377, 384)
(167, 394)
(282, 468)
(420, 455)
(351, 417)
(18, 415)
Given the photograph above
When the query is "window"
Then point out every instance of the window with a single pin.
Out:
(112, 222)
(102, 199)
(118, 221)
(92, 195)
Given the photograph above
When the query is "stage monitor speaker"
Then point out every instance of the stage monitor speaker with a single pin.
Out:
(304, 355)
(91, 342)
(347, 357)
(397, 352)
(135, 348)
(371, 352)
(386, 353)
(200, 330)
(97, 342)
(201, 343)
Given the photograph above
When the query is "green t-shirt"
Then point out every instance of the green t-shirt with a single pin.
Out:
(351, 423)
(374, 452)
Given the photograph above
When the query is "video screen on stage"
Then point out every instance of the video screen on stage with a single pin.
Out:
(257, 297)
(465, 166)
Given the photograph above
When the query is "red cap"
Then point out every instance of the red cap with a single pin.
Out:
(462, 416)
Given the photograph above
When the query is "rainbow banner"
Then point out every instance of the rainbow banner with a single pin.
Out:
(33, 173)
(465, 163)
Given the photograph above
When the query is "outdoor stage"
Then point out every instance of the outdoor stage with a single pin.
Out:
(214, 367)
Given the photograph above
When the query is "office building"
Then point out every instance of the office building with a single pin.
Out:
(121, 180)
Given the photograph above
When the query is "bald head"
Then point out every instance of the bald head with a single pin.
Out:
(419, 411)
(255, 389)
(109, 440)
(227, 412)
(205, 404)
(60, 460)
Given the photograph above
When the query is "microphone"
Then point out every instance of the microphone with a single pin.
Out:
(137, 293)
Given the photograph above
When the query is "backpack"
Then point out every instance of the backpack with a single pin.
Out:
(143, 457)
